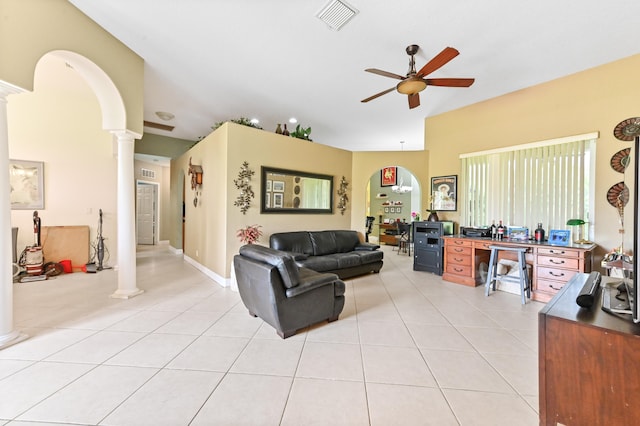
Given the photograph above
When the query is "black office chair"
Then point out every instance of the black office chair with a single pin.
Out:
(404, 238)
(368, 225)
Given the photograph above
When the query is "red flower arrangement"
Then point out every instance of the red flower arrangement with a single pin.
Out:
(250, 234)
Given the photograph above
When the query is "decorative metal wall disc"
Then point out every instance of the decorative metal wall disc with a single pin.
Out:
(620, 160)
(628, 129)
(618, 195)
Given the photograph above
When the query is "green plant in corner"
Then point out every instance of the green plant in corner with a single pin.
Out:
(301, 133)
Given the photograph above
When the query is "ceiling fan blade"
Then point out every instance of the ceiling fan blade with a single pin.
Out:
(414, 100)
(385, 73)
(377, 95)
(447, 54)
(450, 82)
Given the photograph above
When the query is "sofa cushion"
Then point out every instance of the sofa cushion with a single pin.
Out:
(285, 263)
(369, 256)
(320, 263)
(298, 242)
(324, 242)
(348, 260)
(346, 241)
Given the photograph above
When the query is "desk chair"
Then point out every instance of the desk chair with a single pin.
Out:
(404, 238)
(368, 225)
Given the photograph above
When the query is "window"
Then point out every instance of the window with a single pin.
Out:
(548, 182)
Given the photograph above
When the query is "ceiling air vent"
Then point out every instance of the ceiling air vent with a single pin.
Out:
(336, 14)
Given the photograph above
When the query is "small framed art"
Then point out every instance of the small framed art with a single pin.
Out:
(559, 237)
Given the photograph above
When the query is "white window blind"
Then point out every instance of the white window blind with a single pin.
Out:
(548, 182)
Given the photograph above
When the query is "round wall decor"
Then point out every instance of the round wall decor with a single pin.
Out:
(620, 160)
(627, 129)
(618, 195)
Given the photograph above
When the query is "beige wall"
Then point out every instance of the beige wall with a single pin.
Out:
(32, 28)
(593, 100)
(210, 235)
(59, 123)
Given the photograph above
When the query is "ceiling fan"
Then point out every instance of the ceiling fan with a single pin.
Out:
(415, 82)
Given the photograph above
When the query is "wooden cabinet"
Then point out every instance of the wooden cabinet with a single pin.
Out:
(589, 372)
(461, 261)
(552, 266)
(555, 266)
(387, 234)
(428, 246)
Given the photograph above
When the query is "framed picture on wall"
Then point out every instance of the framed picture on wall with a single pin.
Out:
(27, 184)
(444, 193)
(278, 186)
(388, 176)
(278, 199)
(386, 209)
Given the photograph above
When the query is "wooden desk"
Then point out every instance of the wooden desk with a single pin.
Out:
(588, 362)
(552, 266)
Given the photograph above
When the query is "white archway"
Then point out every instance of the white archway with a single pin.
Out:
(113, 121)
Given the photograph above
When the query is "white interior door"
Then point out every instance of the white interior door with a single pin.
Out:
(146, 214)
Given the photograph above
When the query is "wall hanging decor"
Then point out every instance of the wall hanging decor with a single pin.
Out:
(444, 193)
(27, 184)
(342, 195)
(196, 180)
(243, 184)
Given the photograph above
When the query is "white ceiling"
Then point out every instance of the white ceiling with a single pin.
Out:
(212, 60)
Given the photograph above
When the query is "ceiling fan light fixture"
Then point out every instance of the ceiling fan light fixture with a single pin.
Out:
(411, 86)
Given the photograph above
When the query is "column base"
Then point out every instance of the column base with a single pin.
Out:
(126, 294)
(11, 339)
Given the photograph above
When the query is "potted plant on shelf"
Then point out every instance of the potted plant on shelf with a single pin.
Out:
(301, 133)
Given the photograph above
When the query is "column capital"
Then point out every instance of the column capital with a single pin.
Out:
(125, 134)
(7, 89)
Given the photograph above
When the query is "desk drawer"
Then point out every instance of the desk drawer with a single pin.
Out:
(563, 275)
(559, 262)
(483, 245)
(458, 259)
(458, 243)
(464, 270)
(549, 286)
(460, 251)
(558, 251)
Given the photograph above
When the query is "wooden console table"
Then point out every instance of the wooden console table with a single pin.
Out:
(385, 238)
(552, 266)
(588, 362)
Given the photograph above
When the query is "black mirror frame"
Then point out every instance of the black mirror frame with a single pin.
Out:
(295, 173)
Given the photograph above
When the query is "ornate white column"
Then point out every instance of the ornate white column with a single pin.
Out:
(126, 218)
(8, 336)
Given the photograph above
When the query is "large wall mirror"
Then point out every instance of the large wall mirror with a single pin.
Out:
(292, 191)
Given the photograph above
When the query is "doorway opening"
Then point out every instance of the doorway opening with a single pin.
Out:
(146, 213)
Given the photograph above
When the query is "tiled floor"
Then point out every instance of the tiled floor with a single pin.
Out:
(409, 349)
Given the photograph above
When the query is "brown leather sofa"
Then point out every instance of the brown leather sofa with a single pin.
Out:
(287, 297)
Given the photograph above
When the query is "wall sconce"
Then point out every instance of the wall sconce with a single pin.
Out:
(342, 195)
(196, 174)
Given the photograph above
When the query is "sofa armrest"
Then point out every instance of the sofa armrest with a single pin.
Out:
(366, 247)
(310, 280)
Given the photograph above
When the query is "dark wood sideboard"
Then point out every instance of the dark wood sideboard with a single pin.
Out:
(589, 362)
